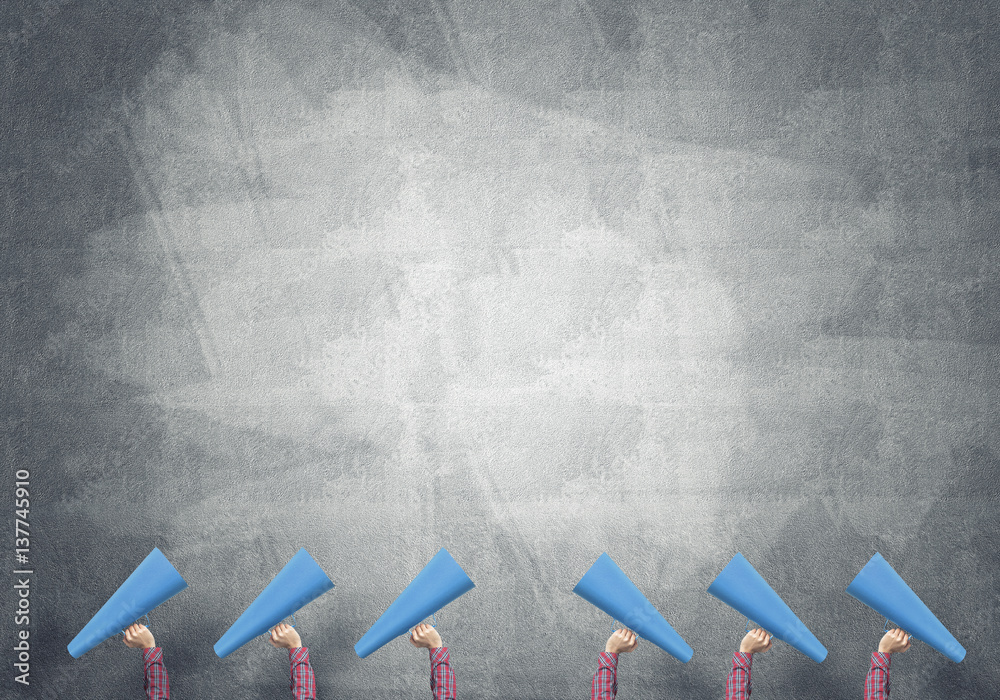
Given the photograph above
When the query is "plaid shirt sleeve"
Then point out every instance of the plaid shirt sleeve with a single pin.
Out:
(738, 683)
(301, 679)
(877, 680)
(442, 677)
(605, 683)
(156, 684)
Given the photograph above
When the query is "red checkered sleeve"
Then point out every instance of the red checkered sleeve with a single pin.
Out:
(738, 683)
(156, 684)
(301, 679)
(442, 677)
(877, 680)
(605, 683)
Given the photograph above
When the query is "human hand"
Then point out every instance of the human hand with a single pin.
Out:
(621, 642)
(894, 641)
(755, 642)
(139, 637)
(425, 636)
(284, 636)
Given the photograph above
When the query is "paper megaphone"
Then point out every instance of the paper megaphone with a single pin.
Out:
(153, 581)
(879, 587)
(741, 587)
(606, 586)
(300, 582)
(439, 583)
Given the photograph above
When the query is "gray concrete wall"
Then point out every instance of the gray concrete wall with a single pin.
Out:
(527, 280)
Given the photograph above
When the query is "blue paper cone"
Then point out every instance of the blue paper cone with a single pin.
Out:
(300, 582)
(879, 587)
(439, 583)
(607, 587)
(741, 587)
(153, 581)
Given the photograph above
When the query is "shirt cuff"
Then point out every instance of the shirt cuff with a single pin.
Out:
(298, 655)
(607, 659)
(741, 660)
(439, 655)
(152, 655)
(880, 660)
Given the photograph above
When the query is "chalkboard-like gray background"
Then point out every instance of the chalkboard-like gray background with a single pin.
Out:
(527, 280)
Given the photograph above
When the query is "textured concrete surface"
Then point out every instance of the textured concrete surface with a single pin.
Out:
(527, 280)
